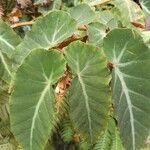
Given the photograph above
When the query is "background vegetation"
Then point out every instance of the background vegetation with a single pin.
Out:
(106, 40)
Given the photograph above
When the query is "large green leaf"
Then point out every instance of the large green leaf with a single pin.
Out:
(130, 11)
(109, 18)
(89, 95)
(104, 17)
(146, 6)
(83, 14)
(6, 67)
(96, 32)
(8, 39)
(8, 42)
(130, 84)
(47, 32)
(32, 104)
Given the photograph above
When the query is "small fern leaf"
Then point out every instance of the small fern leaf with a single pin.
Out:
(67, 131)
(110, 139)
(116, 143)
(105, 141)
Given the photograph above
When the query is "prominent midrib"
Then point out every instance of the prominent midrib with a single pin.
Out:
(144, 7)
(5, 64)
(87, 104)
(8, 44)
(36, 112)
(126, 92)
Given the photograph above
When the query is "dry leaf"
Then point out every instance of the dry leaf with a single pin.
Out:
(61, 90)
(15, 15)
(76, 138)
(1, 9)
(24, 3)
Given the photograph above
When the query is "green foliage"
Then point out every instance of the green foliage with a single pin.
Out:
(8, 39)
(130, 11)
(130, 84)
(67, 131)
(8, 42)
(87, 65)
(47, 32)
(83, 14)
(145, 4)
(34, 90)
(96, 33)
(83, 62)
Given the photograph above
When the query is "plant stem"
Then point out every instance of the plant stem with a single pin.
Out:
(21, 24)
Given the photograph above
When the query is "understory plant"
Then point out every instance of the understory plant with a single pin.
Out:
(78, 79)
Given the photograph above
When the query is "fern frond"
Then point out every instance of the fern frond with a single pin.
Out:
(67, 131)
(84, 145)
(116, 143)
(104, 142)
(1, 9)
(8, 5)
(6, 146)
(110, 139)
